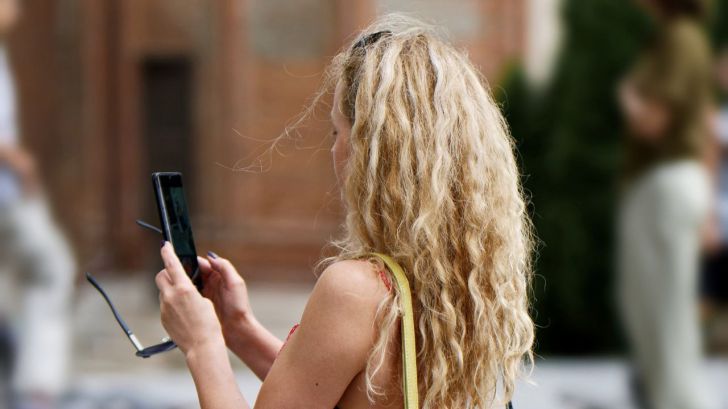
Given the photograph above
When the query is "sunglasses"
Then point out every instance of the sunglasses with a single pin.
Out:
(141, 351)
(370, 39)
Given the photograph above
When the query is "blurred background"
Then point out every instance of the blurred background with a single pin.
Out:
(108, 91)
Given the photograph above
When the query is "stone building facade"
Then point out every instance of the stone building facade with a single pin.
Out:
(111, 90)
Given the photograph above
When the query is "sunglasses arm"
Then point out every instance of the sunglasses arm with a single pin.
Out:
(142, 352)
(129, 333)
(148, 226)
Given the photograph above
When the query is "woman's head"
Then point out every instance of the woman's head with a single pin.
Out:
(9, 15)
(428, 175)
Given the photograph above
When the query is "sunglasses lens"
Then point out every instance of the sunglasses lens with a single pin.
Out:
(156, 349)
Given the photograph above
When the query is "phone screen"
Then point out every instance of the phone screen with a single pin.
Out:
(176, 222)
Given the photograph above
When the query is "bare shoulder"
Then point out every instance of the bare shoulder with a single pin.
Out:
(358, 278)
(351, 286)
(332, 343)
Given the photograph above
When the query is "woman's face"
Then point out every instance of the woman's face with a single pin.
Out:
(341, 132)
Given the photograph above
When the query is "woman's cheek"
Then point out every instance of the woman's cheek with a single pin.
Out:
(340, 154)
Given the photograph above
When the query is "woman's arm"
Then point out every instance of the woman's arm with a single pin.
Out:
(332, 343)
(257, 347)
(666, 82)
(214, 378)
(190, 320)
(647, 118)
(244, 335)
(313, 370)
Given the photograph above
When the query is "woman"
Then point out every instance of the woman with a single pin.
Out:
(428, 177)
(665, 203)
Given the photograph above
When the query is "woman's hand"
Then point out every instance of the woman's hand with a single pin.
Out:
(188, 317)
(228, 293)
(647, 118)
(244, 335)
(190, 321)
(24, 165)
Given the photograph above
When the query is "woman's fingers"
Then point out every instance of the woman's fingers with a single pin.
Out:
(209, 276)
(163, 281)
(172, 265)
(223, 266)
(205, 268)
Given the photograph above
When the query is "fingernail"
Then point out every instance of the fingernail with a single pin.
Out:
(164, 242)
(212, 254)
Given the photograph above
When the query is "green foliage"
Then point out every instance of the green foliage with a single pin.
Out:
(719, 24)
(568, 137)
(569, 140)
(719, 36)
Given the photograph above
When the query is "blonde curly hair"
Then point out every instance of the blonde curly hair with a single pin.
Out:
(432, 181)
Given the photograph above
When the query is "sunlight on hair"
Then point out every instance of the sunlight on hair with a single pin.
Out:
(432, 180)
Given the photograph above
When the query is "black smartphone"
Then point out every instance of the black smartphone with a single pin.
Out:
(175, 220)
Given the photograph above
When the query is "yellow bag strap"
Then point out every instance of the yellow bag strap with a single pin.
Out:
(409, 352)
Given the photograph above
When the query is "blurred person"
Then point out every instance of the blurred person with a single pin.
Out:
(715, 285)
(428, 176)
(664, 208)
(35, 301)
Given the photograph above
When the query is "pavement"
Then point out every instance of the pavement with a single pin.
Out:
(108, 375)
(556, 383)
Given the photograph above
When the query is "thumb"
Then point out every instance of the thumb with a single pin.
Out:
(223, 266)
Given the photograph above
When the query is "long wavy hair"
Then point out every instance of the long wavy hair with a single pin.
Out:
(432, 181)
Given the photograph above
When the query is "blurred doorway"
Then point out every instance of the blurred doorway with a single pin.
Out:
(167, 124)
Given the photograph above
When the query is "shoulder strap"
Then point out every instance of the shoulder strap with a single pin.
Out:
(409, 353)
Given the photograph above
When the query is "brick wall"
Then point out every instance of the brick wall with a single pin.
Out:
(83, 76)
